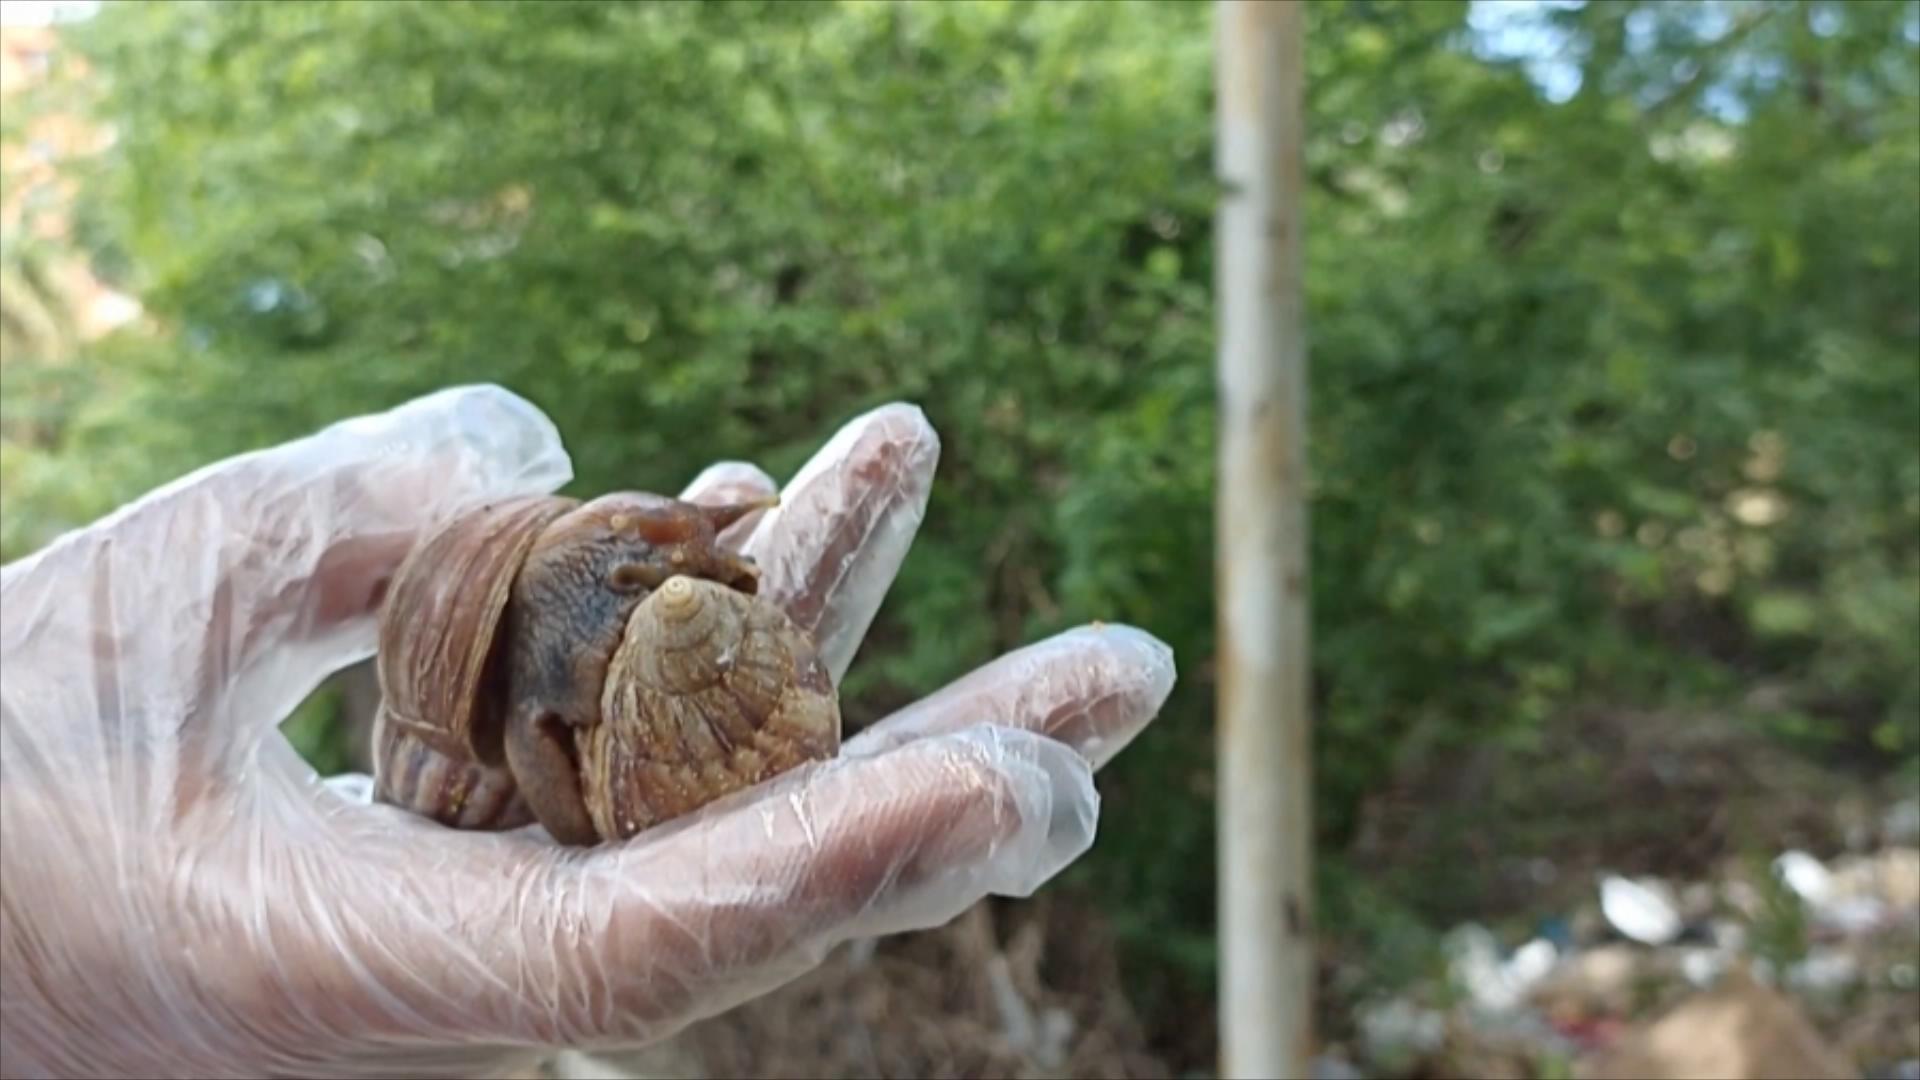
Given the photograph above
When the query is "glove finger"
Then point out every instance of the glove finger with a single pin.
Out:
(744, 898)
(830, 550)
(1093, 688)
(732, 482)
(222, 599)
(465, 939)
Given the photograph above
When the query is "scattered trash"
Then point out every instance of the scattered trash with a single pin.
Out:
(1515, 1046)
(1703, 967)
(1824, 971)
(1740, 1030)
(1557, 931)
(1642, 910)
(1859, 893)
(1858, 915)
(1596, 981)
(1900, 827)
(1397, 1033)
(1891, 877)
(1805, 875)
(1657, 979)
(1496, 984)
(1330, 1067)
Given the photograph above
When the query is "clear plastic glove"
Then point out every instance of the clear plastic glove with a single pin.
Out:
(182, 896)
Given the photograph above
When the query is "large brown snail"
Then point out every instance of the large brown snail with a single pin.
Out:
(598, 667)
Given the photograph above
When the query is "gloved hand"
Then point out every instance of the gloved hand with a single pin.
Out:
(182, 896)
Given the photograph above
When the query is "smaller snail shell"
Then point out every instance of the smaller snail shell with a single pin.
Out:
(711, 691)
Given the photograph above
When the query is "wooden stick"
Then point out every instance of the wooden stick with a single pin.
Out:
(1264, 740)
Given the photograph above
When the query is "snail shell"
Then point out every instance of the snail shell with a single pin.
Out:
(437, 732)
(597, 667)
(711, 691)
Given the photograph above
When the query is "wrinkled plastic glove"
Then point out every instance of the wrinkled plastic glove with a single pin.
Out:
(183, 896)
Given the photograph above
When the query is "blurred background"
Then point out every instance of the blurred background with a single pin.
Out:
(1615, 324)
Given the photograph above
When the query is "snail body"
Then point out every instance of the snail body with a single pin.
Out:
(597, 667)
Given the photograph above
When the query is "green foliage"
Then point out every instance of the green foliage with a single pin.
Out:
(1612, 396)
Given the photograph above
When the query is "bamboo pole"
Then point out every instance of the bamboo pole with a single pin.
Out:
(1264, 742)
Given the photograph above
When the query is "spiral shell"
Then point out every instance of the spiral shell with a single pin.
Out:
(437, 734)
(711, 691)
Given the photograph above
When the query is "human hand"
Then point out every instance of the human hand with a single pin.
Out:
(180, 895)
